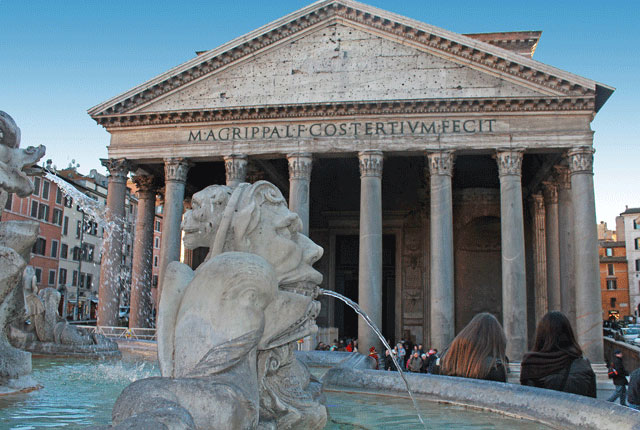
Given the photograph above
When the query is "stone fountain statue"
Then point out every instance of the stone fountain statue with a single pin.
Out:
(16, 240)
(44, 332)
(227, 332)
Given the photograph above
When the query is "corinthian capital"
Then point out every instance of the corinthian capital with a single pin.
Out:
(509, 162)
(562, 177)
(370, 163)
(145, 183)
(300, 164)
(441, 163)
(550, 190)
(118, 168)
(235, 166)
(581, 159)
(538, 202)
(176, 169)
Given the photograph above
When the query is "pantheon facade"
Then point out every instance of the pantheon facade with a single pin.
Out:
(443, 174)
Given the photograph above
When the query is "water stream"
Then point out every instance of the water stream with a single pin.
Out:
(353, 305)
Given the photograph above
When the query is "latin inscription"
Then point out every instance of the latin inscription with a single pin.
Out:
(351, 129)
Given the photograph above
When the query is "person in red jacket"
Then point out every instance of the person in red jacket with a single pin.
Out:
(373, 354)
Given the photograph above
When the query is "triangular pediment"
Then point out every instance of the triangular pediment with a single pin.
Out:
(344, 51)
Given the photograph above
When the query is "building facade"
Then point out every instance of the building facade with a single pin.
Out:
(443, 174)
(630, 220)
(614, 280)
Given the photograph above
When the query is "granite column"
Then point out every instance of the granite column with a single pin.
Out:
(370, 253)
(553, 248)
(442, 306)
(587, 270)
(110, 265)
(175, 177)
(514, 288)
(300, 164)
(566, 244)
(540, 257)
(140, 302)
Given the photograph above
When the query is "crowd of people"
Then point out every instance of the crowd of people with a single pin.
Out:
(555, 361)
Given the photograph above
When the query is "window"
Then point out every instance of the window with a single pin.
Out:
(43, 212)
(609, 252)
(612, 302)
(40, 246)
(155, 261)
(36, 186)
(89, 280)
(155, 281)
(9, 202)
(74, 278)
(610, 270)
(52, 277)
(157, 225)
(78, 229)
(57, 217)
(54, 248)
(34, 209)
(77, 252)
(612, 284)
(157, 243)
(81, 280)
(638, 265)
(58, 196)
(38, 275)
(128, 250)
(68, 202)
(64, 249)
(45, 189)
(91, 227)
(65, 226)
(87, 252)
(636, 224)
(62, 277)
(637, 242)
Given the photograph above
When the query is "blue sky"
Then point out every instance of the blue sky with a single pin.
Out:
(59, 58)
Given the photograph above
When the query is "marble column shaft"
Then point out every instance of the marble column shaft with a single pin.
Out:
(540, 257)
(140, 302)
(300, 165)
(235, 166)
(442, 305)
(587, 270)
(553, 247)
(370, 252)
(110, 265)
(565, 244)
(175, 176)
(514, 288)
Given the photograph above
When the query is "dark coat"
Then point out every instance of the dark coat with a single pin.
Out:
(633, 393)
(619, 372)
(388, 363)
(580, 380)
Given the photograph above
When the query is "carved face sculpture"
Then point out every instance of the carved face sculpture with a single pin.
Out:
(255, 219)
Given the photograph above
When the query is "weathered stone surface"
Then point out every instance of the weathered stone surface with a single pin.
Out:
(227, 332)
(327, 65)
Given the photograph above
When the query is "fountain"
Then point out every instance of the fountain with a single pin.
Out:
(16, 241)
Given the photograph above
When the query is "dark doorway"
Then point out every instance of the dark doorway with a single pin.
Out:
(346, 283)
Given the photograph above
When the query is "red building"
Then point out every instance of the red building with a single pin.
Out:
(46, 206)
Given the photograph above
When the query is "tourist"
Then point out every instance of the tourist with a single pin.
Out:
(425, 363)
(320, 346)
(373, 354)
(388, 360)
(478, 351)
(618, 373)
(556, 361)
(432, 360)
(415, 363)
(349, 347)
(401, 353)
(420, 350)
(633, 395)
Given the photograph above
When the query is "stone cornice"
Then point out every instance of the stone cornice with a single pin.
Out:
(345, 109)
(465, 49)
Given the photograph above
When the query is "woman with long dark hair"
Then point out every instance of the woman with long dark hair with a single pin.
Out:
(478, 351)
(556, 361)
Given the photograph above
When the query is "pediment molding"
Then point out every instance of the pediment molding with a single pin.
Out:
(347, 109)
(480, 55)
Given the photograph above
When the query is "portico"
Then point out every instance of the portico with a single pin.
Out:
(438, 171)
